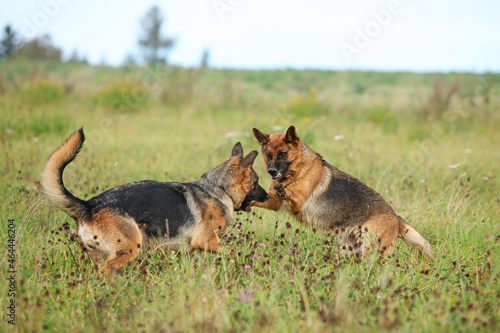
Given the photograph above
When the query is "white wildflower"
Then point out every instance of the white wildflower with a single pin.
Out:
(339, 137)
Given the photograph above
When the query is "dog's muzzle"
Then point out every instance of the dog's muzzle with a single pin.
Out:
(274, 173)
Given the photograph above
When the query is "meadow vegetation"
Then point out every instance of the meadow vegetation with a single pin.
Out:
(429, 143)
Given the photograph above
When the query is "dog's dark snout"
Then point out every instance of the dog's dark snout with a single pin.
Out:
(272, 170)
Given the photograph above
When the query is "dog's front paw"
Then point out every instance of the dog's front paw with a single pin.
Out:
(280, 190)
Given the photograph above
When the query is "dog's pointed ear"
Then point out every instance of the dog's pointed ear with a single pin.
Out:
(237, 150)
(291, 136)
(249, 159)
(261, 137)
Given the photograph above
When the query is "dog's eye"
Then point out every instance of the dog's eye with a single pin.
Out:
(281, 155)
(91, 246)
(269, 156)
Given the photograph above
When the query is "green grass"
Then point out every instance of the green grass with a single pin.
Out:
(299, 280)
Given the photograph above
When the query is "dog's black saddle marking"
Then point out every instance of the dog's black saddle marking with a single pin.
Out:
(149, 203)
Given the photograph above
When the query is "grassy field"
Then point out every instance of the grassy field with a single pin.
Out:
(429, 143)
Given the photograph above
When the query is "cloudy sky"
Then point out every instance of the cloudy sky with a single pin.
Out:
(414, 35)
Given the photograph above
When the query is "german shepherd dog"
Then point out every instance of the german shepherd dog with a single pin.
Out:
(320, 195)
(115, 224)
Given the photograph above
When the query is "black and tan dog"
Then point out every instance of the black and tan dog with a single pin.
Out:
(115, 224)
(320, 195)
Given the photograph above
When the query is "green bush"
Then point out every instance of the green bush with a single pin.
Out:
(305, 106)
(380, 115)
(123, 95)
(42, 91)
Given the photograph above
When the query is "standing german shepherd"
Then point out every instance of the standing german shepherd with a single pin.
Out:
(113, 225)
(320, 195)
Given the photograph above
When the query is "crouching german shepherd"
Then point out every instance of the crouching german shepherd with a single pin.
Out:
(320, 195)
(113, 225)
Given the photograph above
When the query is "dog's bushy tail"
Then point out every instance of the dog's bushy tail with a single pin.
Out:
(413, 238)
(52, 182)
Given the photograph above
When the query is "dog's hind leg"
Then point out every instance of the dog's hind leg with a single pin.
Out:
(127, 240)
(112, 240)
(385, 227)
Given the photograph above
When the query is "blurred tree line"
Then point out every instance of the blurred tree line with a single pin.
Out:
(153, 44)
(39, 48)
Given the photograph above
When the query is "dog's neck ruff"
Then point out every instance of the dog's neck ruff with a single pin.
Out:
(289, 174)
(219, 189)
